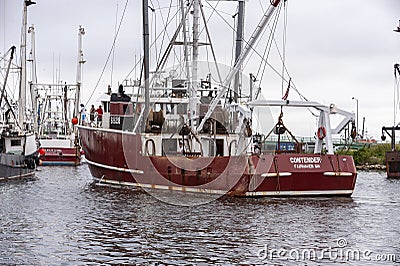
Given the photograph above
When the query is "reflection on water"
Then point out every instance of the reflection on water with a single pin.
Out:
(60, 218)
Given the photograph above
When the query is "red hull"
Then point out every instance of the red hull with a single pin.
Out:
(116, 158)
(393, 164)
(61, 156)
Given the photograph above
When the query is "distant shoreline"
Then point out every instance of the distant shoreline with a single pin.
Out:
(371, 167)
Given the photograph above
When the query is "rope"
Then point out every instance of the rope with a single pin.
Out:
(109, 54)
(268, 47)
(152, 44)
(284, 44)
(278, 185)
(165, 32)
(9, 92)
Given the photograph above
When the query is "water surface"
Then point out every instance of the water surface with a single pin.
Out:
(61, 218)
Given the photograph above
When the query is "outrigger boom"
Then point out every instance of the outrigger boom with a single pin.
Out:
(324, 119)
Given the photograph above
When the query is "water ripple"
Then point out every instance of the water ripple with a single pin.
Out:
(61, 218)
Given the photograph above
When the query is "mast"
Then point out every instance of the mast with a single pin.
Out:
(238, 49)
(195, 56)
(81, 61)
(33, 83)
(65, 108)
(254, 37)
(22, 86)
(185, 48)
(145, 4)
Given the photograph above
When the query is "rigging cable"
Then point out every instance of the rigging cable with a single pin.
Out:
(254, 51)
(14, 66)
(284, 44)
(169, 12)
(268, 47)
(208, 36)
(109, 54)
(153, 10)
(152, 44)
(282, 58)
(234, 35)
(214, 10)
(232, 28)
(165, 32)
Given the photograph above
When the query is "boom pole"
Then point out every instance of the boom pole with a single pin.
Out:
(33, 83)
(145, 6)
(81, 61)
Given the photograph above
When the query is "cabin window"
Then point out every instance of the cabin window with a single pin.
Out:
(169, 107)
(211, 148)
(137, 107)
(125, 109)
(220, 147)
(106, 106)
(181, 108)
(15, 142)
(157, 107)
(169, 147)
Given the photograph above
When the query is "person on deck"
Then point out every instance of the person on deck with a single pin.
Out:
(83, 115)
(99, 116)
(92, 111)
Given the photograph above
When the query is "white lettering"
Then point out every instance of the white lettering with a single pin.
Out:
(115, 120)
(305, 162)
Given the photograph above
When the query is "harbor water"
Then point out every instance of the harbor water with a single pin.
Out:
(61, 218)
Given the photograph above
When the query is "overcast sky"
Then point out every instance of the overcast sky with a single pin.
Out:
(335, 49)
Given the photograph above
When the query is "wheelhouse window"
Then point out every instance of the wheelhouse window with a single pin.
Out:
(169, 108)
(15, 142)
(106, 106)
(126, 110)
(181, 108)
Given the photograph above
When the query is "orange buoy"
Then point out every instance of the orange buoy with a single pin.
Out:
(74, 121)
(42, 151)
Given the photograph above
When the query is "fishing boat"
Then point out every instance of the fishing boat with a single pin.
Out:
(393, 155)
(56, 108)
(183, 132)
(56, 136)
(18, 149)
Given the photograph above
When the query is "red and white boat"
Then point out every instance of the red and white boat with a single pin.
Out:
(187, 135)
(59, 152)
(56, 116)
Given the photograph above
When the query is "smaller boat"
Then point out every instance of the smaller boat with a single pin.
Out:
(18, 149)
(59, 151)
(18, 156)
(56, 116)
(392, 156)
(56, 136)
